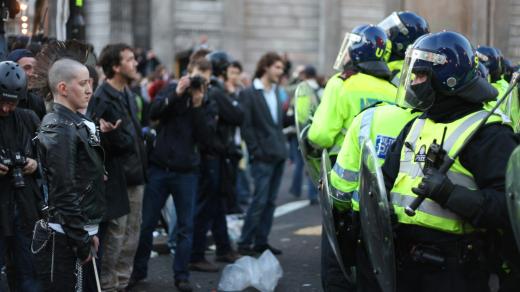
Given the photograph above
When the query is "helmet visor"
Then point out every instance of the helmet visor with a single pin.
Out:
(348, 41)
(416, 70)
(393, 25)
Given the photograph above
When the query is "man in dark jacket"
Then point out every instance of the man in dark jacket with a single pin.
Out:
(19, 198)
(262, 131)
(72, 159)
(174, 166)
(219, 158)
(125, 158)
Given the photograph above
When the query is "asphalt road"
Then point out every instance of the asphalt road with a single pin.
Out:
(296, 233)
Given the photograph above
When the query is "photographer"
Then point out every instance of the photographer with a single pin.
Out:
(173, 167)
(220, 156)
(19, 198)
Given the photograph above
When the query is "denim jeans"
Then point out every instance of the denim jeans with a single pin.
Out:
(211, 212)
(18, 249)
(296, 185)
(243, 191)
(183, 188)
(259, 217)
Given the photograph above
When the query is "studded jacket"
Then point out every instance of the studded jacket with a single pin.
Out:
(72, 160)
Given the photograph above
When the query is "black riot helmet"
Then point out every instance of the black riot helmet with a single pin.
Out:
(403, 28)
(13, 82)
(220, 61)
(490, 57)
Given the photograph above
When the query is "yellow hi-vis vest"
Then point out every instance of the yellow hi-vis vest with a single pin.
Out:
(336, 111)
(421, 135)
(381, 124)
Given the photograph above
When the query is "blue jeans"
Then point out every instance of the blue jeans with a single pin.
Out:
(243, 191)
(211, 212)
(259, 217)
(183, 187)
(18, 249)
(296, 185)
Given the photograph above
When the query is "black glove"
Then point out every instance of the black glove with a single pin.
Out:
(435, 185)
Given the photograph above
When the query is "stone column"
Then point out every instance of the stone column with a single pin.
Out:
(330, 34)
(162, 30)
(232, 40)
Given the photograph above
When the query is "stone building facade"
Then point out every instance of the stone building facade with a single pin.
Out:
(309, 31)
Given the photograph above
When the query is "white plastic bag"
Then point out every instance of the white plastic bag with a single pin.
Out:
(262, 273)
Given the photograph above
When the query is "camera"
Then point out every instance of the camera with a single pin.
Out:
(197, 82)
(16, 163)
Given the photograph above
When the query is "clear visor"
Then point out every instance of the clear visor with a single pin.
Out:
(414, 72)
(393, 22)
(343, 57)
(482, 57)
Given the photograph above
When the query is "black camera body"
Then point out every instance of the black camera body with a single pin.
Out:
(16, 163)
(197, 82)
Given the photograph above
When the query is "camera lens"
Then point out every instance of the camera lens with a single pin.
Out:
(18, 178)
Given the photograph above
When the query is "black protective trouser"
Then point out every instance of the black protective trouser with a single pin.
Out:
(413, 275)
(64, 268)
(332, 278)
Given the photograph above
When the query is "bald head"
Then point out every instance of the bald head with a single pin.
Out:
(64, 70)
(70, 84)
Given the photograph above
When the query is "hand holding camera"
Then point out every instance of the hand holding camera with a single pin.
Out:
(196, 86)
(14, 164)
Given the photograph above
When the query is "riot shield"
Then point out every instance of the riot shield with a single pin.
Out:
(331, 223)
(513, 192)
(376, 224)
(305, 104)
(511, 107)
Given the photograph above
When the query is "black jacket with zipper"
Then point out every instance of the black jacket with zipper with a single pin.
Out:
(72, 158)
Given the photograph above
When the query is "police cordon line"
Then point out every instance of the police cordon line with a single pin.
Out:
(410, 146)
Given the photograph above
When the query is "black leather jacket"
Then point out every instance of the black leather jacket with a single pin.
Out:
(72, 158)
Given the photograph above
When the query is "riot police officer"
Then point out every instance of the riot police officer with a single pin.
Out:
(444, 246)
(364, 81)
(402, 28)
(492, 59)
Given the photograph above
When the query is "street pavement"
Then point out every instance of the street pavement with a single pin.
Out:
(296, 233)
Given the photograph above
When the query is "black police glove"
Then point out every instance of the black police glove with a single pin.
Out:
(435, 185)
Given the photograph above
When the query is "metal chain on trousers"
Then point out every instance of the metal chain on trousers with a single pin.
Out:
(79, 276)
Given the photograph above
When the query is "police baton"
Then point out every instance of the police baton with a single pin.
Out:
(448, 161)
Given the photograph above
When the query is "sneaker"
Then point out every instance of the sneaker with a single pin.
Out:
(264, 247)
(203, 266)
(229, 257)
(183, 285)
(246, 250)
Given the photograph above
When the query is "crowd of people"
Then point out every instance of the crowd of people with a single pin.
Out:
(93, 148)
(105, 141)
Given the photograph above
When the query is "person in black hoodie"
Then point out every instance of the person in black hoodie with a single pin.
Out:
(174, 165)
(448, 244)
(125, 157)
(219, 158)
